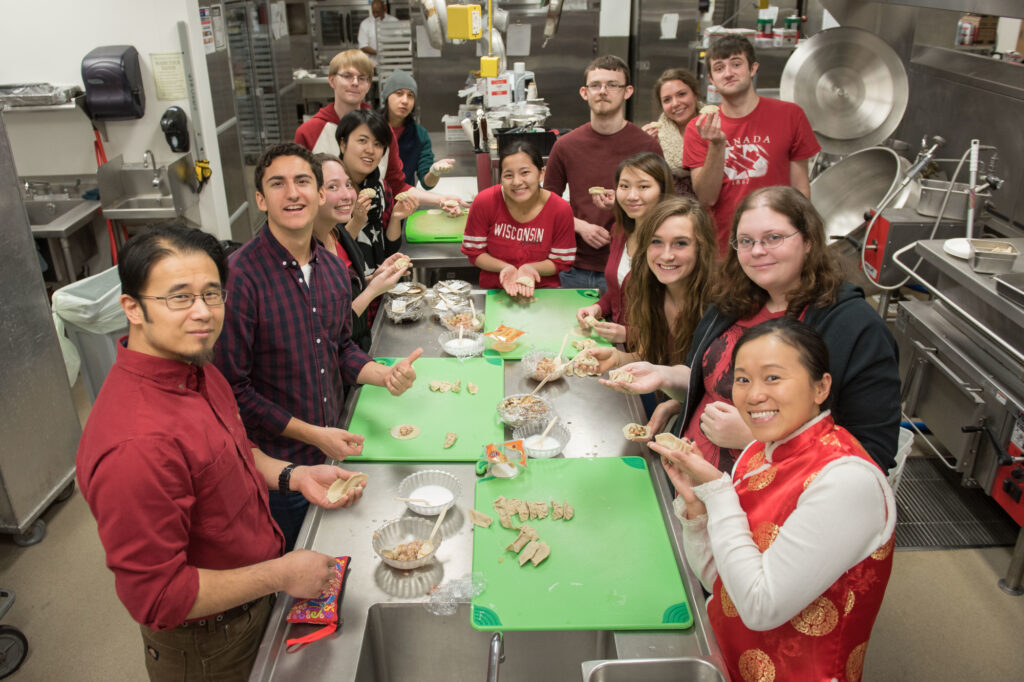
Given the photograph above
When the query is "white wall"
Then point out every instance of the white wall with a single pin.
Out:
(45, 41)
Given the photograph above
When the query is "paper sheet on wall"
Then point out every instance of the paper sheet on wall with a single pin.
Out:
(278, 20)
(206, 25)
(518, 40)
(169, 75)
(217, 19)
(423, 46)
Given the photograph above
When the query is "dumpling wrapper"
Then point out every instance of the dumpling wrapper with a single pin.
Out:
(527, 553)
(396, 432)
(638, 432)
(342, 487)
(669, 441)
(480, 519)
(541, 553)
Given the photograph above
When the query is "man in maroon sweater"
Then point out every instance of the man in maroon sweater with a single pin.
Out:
(587, 157)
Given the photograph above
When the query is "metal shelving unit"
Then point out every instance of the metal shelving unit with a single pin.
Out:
(265, 95)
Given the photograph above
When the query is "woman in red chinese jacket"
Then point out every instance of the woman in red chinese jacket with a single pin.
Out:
(795, 546)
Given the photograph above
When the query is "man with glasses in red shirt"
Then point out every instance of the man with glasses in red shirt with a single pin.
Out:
(178, 490)
(587, 157)
(350, 77)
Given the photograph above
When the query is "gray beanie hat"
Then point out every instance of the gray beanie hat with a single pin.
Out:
(397, 81)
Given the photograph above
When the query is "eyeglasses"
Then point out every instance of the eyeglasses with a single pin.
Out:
(349, 77)
(213, 299)
(612, 87)
(772, 241)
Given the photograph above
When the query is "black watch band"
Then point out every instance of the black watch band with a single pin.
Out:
(283, 480)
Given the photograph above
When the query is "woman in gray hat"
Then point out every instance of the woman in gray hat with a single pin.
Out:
(399, 98)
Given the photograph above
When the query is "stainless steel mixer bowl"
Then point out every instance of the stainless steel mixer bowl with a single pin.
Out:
(843, 192)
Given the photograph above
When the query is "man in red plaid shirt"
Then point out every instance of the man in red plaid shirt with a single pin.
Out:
(287, 349)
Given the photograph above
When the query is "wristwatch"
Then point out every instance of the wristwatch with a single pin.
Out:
(284, 478)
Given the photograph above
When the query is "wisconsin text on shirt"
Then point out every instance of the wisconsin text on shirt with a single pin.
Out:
(526, 235)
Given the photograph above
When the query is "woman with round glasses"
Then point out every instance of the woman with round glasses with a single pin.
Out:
(780, 266)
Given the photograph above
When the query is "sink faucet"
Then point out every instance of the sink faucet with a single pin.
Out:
(496, 657)
(151, 163)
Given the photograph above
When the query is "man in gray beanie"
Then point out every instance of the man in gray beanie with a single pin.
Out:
(398, 97)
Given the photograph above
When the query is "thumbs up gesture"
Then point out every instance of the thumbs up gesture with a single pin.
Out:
(401, 376)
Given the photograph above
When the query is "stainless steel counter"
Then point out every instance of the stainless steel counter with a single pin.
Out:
(595, 415)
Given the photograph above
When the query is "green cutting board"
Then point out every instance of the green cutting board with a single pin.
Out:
(611, 566)
(545, 321)
(473, 417)
(423, 226)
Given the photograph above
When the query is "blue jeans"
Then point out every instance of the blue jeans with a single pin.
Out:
(576, 278)
(289, 511)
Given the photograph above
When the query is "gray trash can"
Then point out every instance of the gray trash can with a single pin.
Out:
(94, 321)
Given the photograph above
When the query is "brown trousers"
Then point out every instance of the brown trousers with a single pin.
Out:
(218, 652)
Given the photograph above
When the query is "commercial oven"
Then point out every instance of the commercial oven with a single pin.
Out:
(962, 371)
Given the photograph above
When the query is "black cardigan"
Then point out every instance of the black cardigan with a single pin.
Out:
(863, 362)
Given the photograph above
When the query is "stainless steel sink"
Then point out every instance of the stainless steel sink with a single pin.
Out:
(406, 643)
(135, 192)
(653, 670)
(41, 212)
(141, 208)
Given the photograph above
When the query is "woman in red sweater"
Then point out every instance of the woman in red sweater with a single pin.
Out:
(640, 182)
(519, 235)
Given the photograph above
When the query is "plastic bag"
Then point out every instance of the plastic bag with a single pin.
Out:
(92, 303)
(72, 360)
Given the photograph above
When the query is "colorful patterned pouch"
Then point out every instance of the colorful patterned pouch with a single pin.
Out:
(322, 610)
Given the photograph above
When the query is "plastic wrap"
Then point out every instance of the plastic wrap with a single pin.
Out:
(445, 599)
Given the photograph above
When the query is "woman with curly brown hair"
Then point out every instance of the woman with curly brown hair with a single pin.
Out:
(779, 265)
(668, 290)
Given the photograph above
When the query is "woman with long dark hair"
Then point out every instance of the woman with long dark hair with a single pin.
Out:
(363, 136)
(641, 181)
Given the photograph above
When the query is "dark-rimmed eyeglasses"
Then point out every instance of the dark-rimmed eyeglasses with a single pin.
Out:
(213, 299)
(772, 241)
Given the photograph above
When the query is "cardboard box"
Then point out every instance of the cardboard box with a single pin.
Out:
(984, 27)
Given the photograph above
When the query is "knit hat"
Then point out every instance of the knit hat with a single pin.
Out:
(397, 81)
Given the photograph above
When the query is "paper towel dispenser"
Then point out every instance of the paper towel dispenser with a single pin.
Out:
(113, 83)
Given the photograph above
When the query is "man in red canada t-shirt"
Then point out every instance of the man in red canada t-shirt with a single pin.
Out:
(587, 157)
(751, 142)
